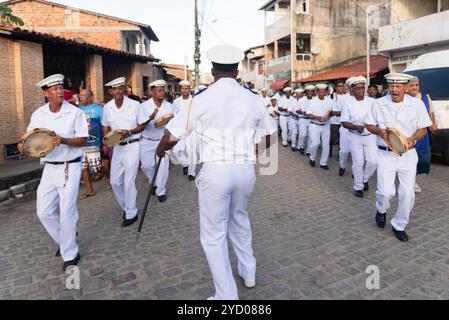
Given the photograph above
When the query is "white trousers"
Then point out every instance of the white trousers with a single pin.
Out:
(345, 146)
(294, 127)
(52, 194)
(283, 123)
(364, 154)
(388, 166)
(148, 160)
(124, 169)
(223, 194)
(304, 125)
(320, 135)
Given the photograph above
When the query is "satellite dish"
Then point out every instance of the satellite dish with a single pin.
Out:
(315, 50)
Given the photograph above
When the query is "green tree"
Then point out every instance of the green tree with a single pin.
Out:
(7, 18)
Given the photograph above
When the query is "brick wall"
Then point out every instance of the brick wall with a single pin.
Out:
(95, 76)
(71, 24)
(21, 68)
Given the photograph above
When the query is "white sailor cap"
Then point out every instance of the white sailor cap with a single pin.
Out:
(116, 83)
(310, 87)
(264, 90)
(358, 80)
(400, 78)
(184, 83)
(321, 86)
(287, 89)
(274, 98)
(299, 90)
(158, 83)
(349, 81)
(225, 57)
(51, 81)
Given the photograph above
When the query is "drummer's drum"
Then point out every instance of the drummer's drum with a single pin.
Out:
(37, 143)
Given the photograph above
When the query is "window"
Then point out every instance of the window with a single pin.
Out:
(302, 6)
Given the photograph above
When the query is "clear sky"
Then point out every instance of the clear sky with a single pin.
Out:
(235, 22)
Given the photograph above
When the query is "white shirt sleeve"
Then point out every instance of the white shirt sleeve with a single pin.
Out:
(81, 127)
(371, 116)
(142, 114)
(105, 122)
(177, 126)
(33, 122)
(424, 120)
(345, 114)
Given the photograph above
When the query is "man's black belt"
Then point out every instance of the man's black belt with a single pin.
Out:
(389, 149)
(66, 162)
(319, 124)
(359, 134)
(129, 142)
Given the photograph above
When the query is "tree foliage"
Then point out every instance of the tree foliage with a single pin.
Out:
(7, 18)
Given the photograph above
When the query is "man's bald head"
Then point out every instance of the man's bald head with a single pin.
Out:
(86, 97)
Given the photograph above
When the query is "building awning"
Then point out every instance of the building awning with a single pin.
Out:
(279, 84)
(378, 64)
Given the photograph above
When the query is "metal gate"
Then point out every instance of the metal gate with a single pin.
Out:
(70, 63)
(114, 68)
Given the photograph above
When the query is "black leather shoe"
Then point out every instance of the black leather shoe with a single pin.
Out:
(381, 219)
(191, 178)
(301, 151)
(308, 154)
(185, 170)
(341, 172)
(401, 235)
(73, 262)
(162, 198)
(325, 167)
(358, 193)
(312, 163)
(128, 222)
(366, 188)
(293, 149)
(153, 192)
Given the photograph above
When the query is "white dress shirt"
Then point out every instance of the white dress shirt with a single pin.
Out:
(124, 118)
(146, 110)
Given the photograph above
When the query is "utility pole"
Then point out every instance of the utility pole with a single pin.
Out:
(368, 41)
(197, 56)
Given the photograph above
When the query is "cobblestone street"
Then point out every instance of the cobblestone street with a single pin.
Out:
(312, 239)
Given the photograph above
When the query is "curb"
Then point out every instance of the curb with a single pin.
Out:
(17, 191)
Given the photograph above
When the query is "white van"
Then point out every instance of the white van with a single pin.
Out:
(432, 69)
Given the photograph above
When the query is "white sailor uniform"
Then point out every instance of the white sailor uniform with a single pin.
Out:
(344, 140)
(59, 185)
(125, 159)
(320, 132)
(225, 117)
(284, 119)
(304, 124)
(408, 117)
(151, 137)
(180, 147)
(362, 145)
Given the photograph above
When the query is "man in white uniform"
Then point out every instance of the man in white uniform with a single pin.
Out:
(122, 113)
(320, 111)
(409, 116)
(226, 117)
(151, 136)
(265, 98)
(362, 143)
(61, 177)
(274, 111)
(294, 119)
(304, 121)
(183, 102)
(286, 103)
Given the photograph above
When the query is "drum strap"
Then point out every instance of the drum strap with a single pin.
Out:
(188, 118)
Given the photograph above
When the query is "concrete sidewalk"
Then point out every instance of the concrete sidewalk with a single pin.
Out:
(18, 177)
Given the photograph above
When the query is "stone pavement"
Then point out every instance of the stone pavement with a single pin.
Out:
(312, 239)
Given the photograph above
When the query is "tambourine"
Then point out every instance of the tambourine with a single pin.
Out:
(37, 143)
(163, 120)
(397, 141)
(113, 138)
